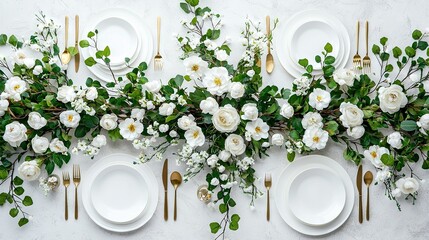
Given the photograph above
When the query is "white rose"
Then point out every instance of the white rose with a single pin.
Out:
(356, 132)
(29, 63)
(395, 140)
(250, 111)
(173, 134)
(4, 105)
(277, 139)
(214, 182)
(221, 55)
(195, 137)
(212, 161)
(224, 155)
(344, 77)
(15, 133)
(130, 129)
(236, 90)
(287, 110)
(19, 57)
(258, 129)
(109, 121)
(235, 144)
(392, 98)
(221, 168)
(91, 93)
(66, 94)
(408, 185)
(163, 128)
(226, 119)
(167, 109)
(138, 114)
(315, 138)
(153, 86)
(195, 66)
(99, 141)
(57, 146)
(319, 99)
(374, 154)
(37, 70)
(209, 105)
(312, 119)
(36, 121)
(14, 87)
(217, 80)
(29, 170)
(186, 122)
(250, 73)
(382, 175)
(423, 123)
(396, 192)
(70, 118)
(39, 144)
(351, 115)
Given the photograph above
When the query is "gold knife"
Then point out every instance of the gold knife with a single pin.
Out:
(359, 187)
(164, 182)
(76, 44)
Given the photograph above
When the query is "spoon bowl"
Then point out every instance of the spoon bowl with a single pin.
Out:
(367, 179)
(66, 56)
(176, 180)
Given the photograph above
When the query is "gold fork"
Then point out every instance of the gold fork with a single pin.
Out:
(76, 181)
(158, 58)
(357, 61)
(366, 59)
(66, 182)
(268, 183)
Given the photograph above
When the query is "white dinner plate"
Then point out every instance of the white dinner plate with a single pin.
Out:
(289, 174)
(112, 200)
(316, 196)
(148, 179)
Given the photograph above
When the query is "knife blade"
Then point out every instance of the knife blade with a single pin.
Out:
(77, 56)
(164, 182)
(359, 187)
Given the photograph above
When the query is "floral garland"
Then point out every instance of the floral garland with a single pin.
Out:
(225, 123)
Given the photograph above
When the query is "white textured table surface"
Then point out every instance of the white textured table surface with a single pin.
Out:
(394, 18)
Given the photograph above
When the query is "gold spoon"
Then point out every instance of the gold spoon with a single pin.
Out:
(176, 180)
(270, 59)
(65, 56)
(367, 178)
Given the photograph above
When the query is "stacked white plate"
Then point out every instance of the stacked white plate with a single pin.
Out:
(305, 34)
(118, 195)
(314, 195)
(127, 37)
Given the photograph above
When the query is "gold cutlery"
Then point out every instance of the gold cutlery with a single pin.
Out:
(357, 61)
(366, 59)
(164, 182)
(176, 180)
(268, 183)
(359, 187)
(270, 60)
(76, 44)
(66, 182)
(158, 58)
(76, 181)
(65, 56)
(367, 178)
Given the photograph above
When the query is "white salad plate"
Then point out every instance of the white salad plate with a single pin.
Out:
(316, 196)
(118, 195)
(287, 180)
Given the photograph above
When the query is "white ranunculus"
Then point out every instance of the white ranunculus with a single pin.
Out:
(186, 122)
(167, 109)
(250, 111)
(173, 133)
(36, 121)
(315, 138)
(408, 185)
(19, 57)
(382, 175)
(70, 118)
(344, 77)
(57, 146)
(423, 123)
(195, 66)
(209, 105)
(226, 119)
(91, 93)
(109, 121)
(37, 70)
(356, 132)
(153, 86)
(163, 128)
(99, 141)
(39, 144)
(14, 87)
(395, 140)
(351, 115)
(312, 119)
(4, 105)
(224, 155)
(236, 90)
(221, 55)
(258, 129)
(217, 81)
(195, 137)
(138, 114)
(374, 154)
(130, 129)
(235, 145)
(319, 99)
(66, 94)
(15, 133)
(29, 170)
(277, 139)
(214, 182)
(250, 73)
(392, 98)
(287, 110)
(212, 161)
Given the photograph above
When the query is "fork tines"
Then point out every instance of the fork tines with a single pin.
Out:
(76, 173)
(158, 64)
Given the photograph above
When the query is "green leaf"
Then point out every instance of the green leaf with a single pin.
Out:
(17, 181)
(185, 7)
(106, 51)
(303, 62)
(290, 156)
(73, 51)
(233, 226)
(235, 218)
(409, 125)
(383, 40)
(396, 52)
(27, 201)
(49, 167)
(3, 39)
(223, 208)
(328, 48)
(376, 49)
(387, 159)
(91, 34)
(13, 212)
(214, 227)
(22, 222)
(81, 131)
(193, 3)
(411, 52)
(417, 34)
(90, 62)
(13, 40)
(115, 134)
(331, 127)
(3, 197)
(18, 191)
(3, 173)
(425, 165)
(232, 203)
(84, 43)
(329, 60)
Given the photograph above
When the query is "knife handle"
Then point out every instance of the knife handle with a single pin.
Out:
(360, 209)
(76, 29)
(165, 206)
(367, 203)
